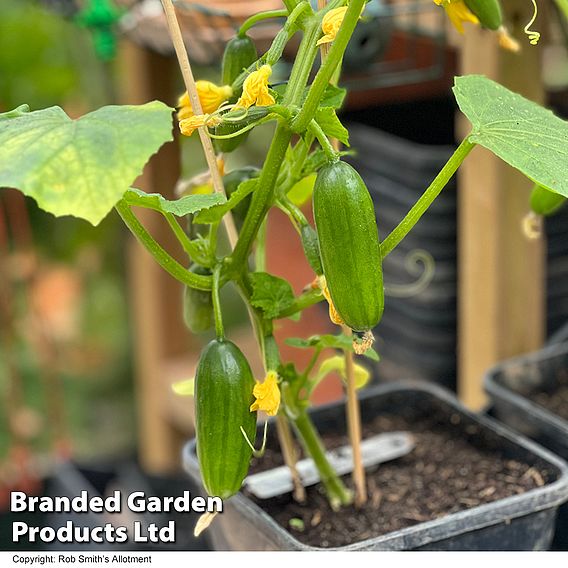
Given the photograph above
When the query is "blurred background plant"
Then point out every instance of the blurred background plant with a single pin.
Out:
(65, 367)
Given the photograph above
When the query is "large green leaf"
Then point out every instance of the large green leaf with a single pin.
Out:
(80, 167)
(522, 133)
(179, 207)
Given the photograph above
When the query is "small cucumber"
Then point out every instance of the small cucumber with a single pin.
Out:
(488, 12)
(311, 247)
(198, 305)
(349, 245)
(545, 202)
(223, 396)
(240, 53)
(226, 145)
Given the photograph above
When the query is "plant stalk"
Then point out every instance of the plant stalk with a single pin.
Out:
(427, 198)
(326, 71)
(169, 264)
(338, 494)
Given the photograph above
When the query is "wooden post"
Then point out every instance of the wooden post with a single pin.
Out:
(501, 272)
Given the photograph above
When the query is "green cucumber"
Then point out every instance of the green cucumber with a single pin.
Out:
(349, 245)
(223, 396)
(545, 202)
(226, 145)
(311, 248)
(239, 54)
(488, 12)
(198, 305)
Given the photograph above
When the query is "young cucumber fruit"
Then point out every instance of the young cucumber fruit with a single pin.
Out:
(198, 305)
(240, 53)
(349, 245)
(488, 12)
(223, 396)
(545, 202)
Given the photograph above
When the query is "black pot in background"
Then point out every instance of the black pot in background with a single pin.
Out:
(521, 522)
(417, 335)
(511, 385)
(68, 479)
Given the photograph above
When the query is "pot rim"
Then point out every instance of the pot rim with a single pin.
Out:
(495, 388)
(538, 499)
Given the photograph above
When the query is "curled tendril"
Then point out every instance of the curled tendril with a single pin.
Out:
(425, 275)
(533, 35)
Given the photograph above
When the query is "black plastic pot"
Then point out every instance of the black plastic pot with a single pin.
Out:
(511, 385)
(68, 479)
(521, 522)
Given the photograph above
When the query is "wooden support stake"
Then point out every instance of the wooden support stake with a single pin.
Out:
(501, 272)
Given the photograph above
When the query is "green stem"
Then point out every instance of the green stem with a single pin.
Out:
(305, 58)
(260, 252)
(262, 197)
(421, 206)
(219, 328)
(168, 263)
(338, 494)
(301, 302)
(326, 71)
(189, 248)
(253, 20)
(328, 149)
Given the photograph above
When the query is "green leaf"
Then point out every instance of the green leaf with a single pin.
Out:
(331, 125)
(215, 213)
(19, 111)
(271, 294)
(522, 133)
(302, 191)
(332, 341)
(179, 207)
(333, 97)
(80, 167)
(337, 363)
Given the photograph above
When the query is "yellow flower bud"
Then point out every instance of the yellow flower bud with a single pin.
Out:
(267, 395)
(211, 97)
(458, 13)
(331, 23)
(255, 89)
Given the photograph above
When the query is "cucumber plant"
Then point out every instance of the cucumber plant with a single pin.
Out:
(303, 157)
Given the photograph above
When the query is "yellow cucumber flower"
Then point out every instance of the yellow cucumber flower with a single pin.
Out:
(255, 89)
(333, 315)
(211, 97)
(267, 395)
(458, 13)
(331, 23)
(189, 125)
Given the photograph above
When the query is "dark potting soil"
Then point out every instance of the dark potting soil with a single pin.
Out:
(445, 473)
(556, 399)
